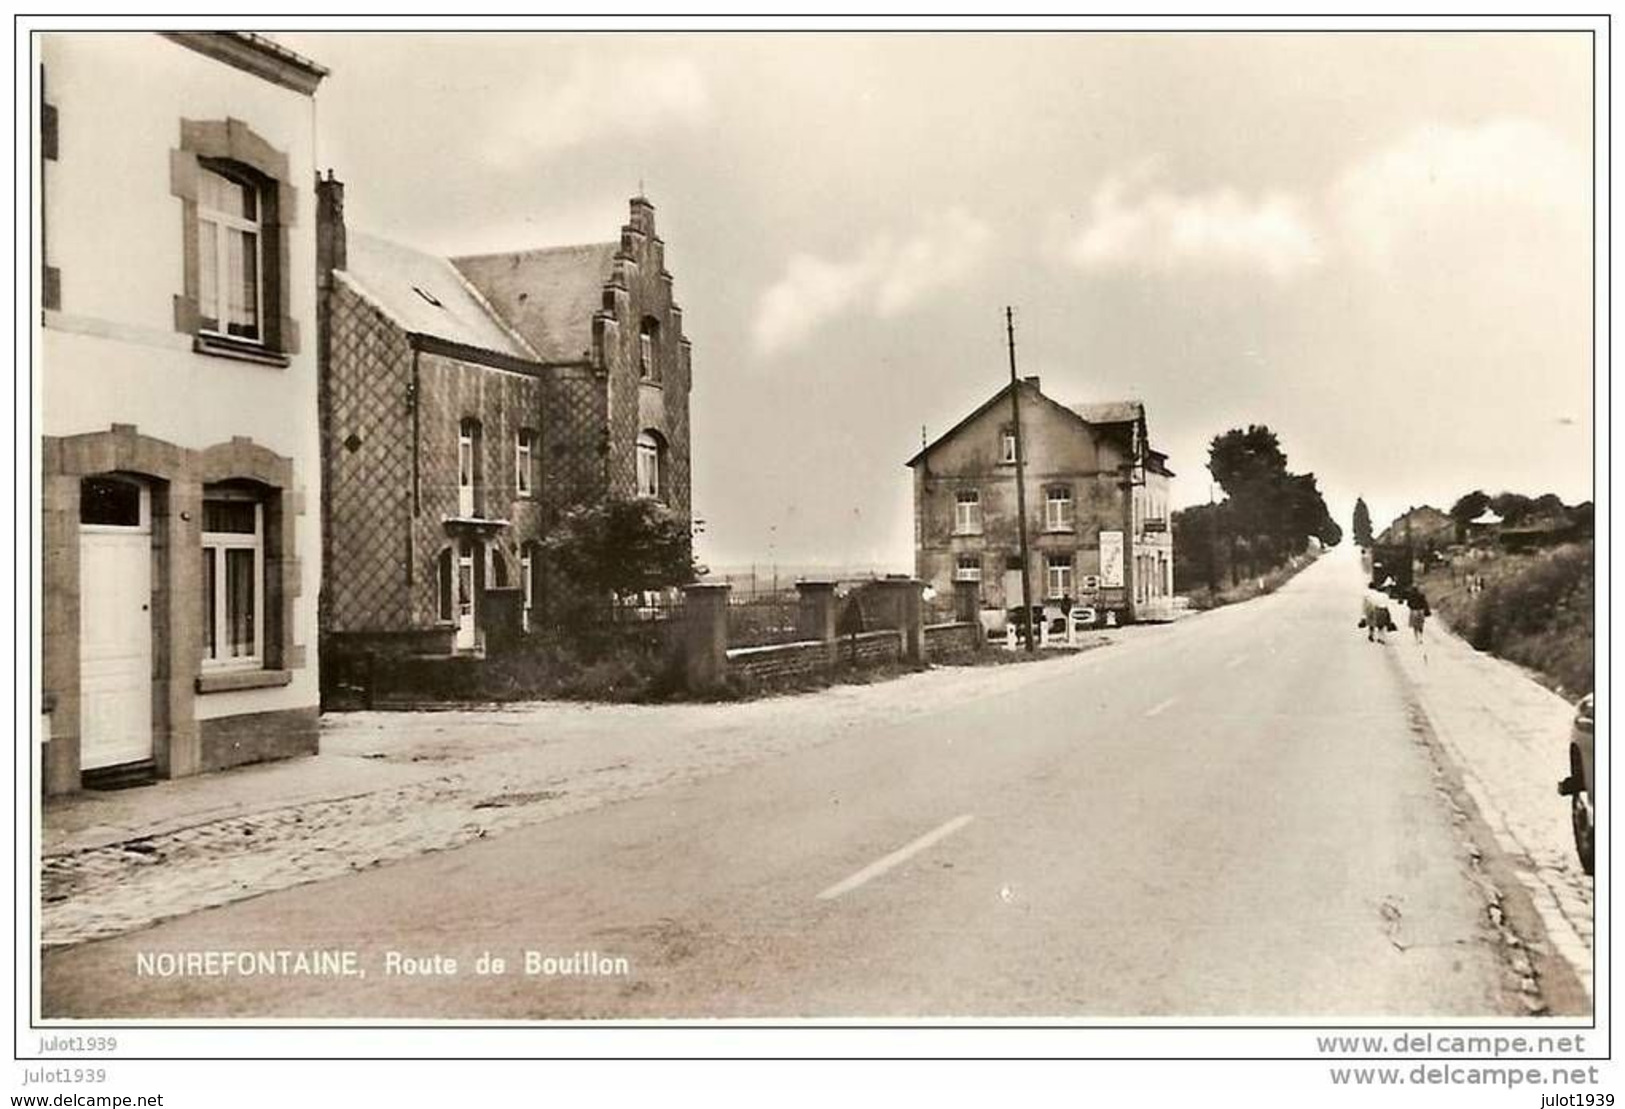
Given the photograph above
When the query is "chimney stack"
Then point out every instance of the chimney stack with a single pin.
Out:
(331, 248)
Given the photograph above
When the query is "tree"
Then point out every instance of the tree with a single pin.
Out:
(1240, 459)
(1469, 507)
(1362, 523)
(1511, 507)
(622, 545)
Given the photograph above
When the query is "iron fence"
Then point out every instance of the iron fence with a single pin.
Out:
(764, 621)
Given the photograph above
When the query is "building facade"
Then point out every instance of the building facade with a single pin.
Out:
(466, 403)
(1097, 507)
(1425, 526)
(180, 455)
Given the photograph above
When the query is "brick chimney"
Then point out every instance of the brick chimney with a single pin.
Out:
(1031, 380)
(331, 245)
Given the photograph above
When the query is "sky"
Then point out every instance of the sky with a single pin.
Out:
(1380, 245)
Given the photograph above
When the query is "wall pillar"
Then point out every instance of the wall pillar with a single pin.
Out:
(902, 597)
(705, 636)
(817, 617)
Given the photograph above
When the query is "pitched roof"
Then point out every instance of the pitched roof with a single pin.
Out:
(549, 296)
(424, 294)
(1111, 412)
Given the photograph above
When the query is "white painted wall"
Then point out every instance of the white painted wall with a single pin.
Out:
(111, 354)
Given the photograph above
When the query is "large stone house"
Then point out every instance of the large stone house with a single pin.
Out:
(175, 250)
(1097, 506)
(465, 403)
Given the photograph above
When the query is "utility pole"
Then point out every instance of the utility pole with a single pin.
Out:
(1021, 484)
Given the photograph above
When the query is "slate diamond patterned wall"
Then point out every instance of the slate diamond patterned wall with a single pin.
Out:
(369, 468)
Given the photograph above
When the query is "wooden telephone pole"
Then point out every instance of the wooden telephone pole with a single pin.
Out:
(1021, 484)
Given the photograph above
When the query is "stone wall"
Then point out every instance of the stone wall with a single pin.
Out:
(952, 643)
(783, 662)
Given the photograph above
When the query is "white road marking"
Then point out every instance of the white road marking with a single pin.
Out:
(1157, 710)
(901, 855)
(1235, 662)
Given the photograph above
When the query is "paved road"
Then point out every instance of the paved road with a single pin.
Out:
(1229, 816)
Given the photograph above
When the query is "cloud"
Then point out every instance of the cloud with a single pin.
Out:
(1443, 190)
(885, 278)
(1444, 186)
(602, 100)
(1134, 226)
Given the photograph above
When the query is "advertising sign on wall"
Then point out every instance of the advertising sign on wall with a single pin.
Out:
(1111, 559)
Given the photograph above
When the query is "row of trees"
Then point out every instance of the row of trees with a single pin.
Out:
(1268, 515)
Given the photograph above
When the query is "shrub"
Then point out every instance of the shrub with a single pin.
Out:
(1535, 610)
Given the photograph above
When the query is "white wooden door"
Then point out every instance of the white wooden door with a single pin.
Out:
(466, 638)
(115, 645)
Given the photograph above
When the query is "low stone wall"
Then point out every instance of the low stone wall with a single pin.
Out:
(779, 662)
(874, 648)
(888, 611)
(951, 643)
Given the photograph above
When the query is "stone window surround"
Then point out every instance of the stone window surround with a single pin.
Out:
(233, 142)
(177, 476)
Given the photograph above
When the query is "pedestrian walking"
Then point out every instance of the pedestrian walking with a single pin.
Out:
(1375, 618)
(1417, 602)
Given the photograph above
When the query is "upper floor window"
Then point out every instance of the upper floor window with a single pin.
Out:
(233, 578)
(648, 343)
(1058, 508)
(230, 254)
(523, 460)
(968, 568)
(967, 512)
(1007, 445)
(651, 461)
(468, 461)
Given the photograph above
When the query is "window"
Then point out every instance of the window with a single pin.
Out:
(1007, 445)
(1058, 508)
(522, 461)
(648, 340)
(967, 512)
(651, 461)
(443, 580)
(233, 579)
(968, 568)
(112, 502)
(496, 568)
(1058, 575)
(528, 566)
(468, 454)
(230, 263)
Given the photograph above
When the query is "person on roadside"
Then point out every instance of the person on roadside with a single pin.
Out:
(1375, 618)
(1420, 610)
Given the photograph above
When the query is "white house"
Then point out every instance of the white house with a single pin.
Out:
(176, 376)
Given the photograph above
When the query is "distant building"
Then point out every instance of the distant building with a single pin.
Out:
(1097, 506)
(1485, 527)
(465, 403)
(181, 457)
(1424, 527)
